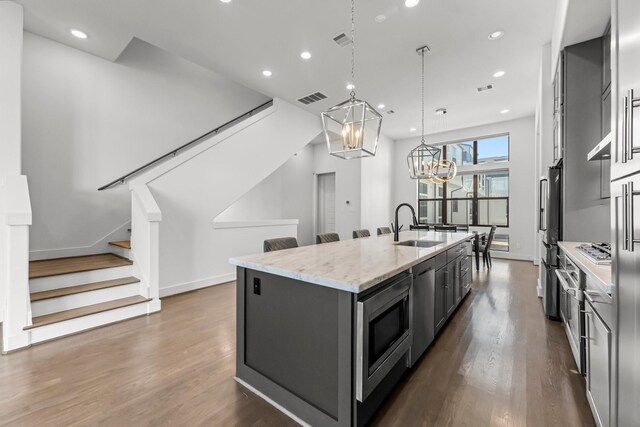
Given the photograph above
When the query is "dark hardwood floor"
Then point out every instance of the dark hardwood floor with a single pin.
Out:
(499, 362)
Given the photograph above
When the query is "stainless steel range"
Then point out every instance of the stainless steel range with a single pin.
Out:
(597, 253)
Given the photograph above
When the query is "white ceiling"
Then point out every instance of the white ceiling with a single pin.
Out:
(241, 38)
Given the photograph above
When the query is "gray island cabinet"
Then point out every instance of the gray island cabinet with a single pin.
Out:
(325, 332)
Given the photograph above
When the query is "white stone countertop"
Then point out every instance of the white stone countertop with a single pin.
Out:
(601, 274)
(353, 265)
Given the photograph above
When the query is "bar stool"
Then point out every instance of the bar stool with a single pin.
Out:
(361, 233)
(327, 238)
(280, 243)
(383, 230)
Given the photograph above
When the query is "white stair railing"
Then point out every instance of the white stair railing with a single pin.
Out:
(15, 219)
(145, 241)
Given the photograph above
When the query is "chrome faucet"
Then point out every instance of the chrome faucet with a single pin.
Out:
(396, 228)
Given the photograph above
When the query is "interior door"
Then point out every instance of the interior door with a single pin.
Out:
(326, 203)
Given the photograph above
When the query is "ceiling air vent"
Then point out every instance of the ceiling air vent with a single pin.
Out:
(390, 112)
(484, 88)
(314, 97)
(342, 40)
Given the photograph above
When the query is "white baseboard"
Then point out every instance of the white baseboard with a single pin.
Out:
(272, 403)
(511, 255)
(197, 284)
(539, 289)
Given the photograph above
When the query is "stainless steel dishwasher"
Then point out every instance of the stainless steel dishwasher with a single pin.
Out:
(423, 295)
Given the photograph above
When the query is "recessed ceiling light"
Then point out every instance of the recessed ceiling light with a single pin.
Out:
(225, 1)
(499, 73)
(505, 111)
(350, 86)
(380, 18)
(412, 130)
(305, 55)
(79, 34)
(381, 106)
(267, 73)
(411, 3)
(496, 35)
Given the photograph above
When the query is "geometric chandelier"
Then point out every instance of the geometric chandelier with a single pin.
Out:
(424, 160)
(357, 122)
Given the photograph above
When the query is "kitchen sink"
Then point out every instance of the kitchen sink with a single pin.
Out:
(419, 243)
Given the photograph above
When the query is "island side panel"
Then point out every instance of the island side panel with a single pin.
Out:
(294, 345)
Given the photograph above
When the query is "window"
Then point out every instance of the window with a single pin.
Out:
(472, 197)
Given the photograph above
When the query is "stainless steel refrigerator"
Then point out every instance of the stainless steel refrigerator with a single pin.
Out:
(550, 223)
(625, 193)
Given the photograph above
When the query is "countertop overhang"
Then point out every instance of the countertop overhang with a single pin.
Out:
(351, 265)
(600, 274)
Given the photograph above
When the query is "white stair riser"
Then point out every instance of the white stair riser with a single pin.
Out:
(123, 252)
(68, 302)
(73, 279)
(72, 326)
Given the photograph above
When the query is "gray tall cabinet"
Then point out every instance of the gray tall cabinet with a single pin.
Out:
(625, 193)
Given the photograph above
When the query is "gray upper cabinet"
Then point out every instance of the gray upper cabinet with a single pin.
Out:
(586, 214)
(626, 98)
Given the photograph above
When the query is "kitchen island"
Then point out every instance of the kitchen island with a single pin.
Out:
(325, 332)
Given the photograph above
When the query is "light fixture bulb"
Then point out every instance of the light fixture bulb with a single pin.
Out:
(412, 130)
(79, 34)
(505, 111)
(496, 35)
(499, 74)
(267, 73)
(411, 3)
(381, 106)
(350, 86)
(305, 55)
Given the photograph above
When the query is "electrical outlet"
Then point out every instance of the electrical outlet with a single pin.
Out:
(256, 286)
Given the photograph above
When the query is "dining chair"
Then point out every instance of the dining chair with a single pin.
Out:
(361, 233)
(485, 247)
(327, 238)
(280, 243)
(383, 230)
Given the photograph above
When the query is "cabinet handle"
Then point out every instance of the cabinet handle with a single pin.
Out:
(625, 217)
(625, 130)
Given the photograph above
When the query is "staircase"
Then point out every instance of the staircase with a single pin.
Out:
(69, 295)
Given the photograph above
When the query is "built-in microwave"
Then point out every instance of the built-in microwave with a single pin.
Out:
(383, 322)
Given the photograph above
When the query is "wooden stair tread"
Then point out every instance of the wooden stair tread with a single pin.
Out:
(57, 266)
(122, 244)
(60, 292)
(61, 316)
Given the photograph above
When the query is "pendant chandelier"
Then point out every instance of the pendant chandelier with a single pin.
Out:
(357, 123)
(423, 160)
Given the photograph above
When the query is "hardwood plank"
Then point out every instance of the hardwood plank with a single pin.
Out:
(61, 316)
(57, 266)
(499, 362)
(122, 244)
(60, 292)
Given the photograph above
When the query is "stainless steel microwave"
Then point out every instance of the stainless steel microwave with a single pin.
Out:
(383, 334)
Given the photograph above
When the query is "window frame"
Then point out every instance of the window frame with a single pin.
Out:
(473, 171)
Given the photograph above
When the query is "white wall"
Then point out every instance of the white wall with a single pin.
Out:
(523, 178)
(348, 188)
(377, 187)
(199, 184)
(11, 20)
(285, 194)
(87, 121)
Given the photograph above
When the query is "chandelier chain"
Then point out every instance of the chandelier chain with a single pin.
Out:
(422, 54)
(353, 49)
